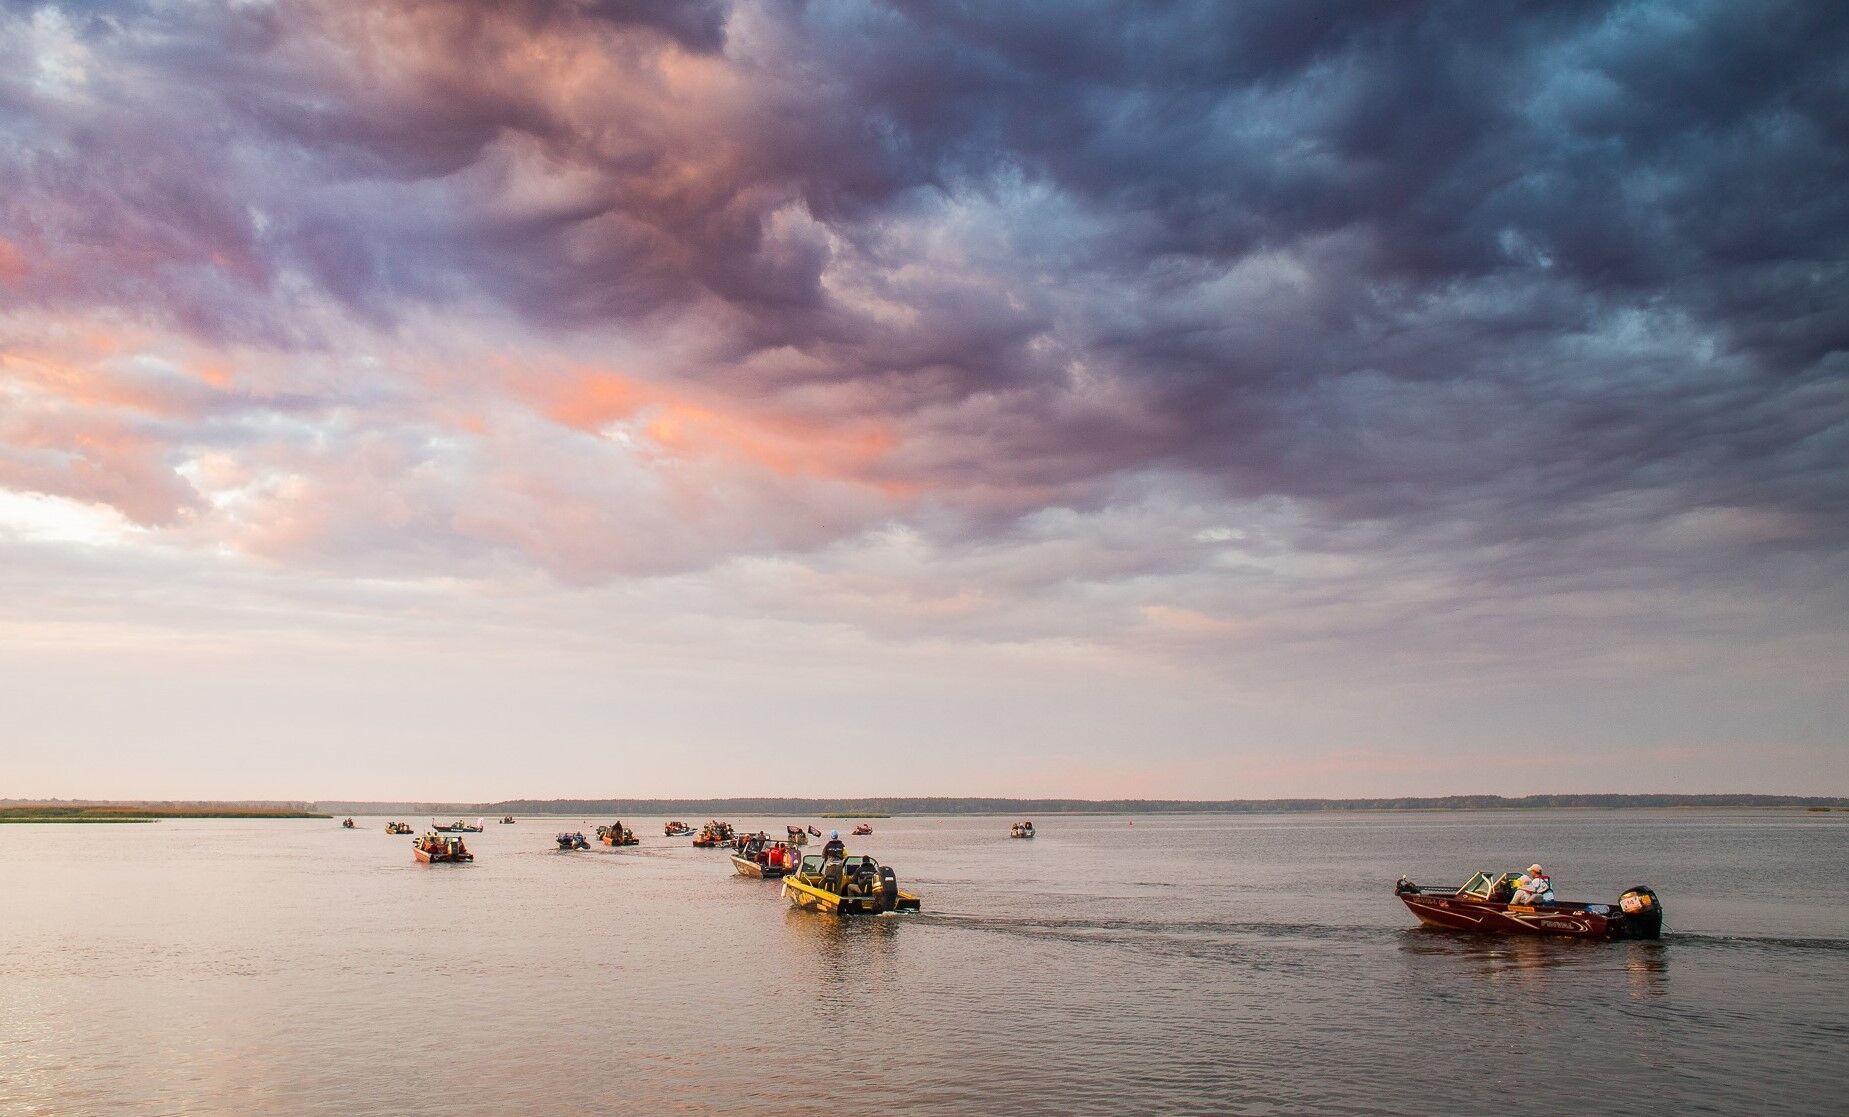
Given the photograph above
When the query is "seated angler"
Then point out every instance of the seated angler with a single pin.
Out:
(1534, 888)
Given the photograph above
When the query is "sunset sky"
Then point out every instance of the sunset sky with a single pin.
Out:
(615, 397)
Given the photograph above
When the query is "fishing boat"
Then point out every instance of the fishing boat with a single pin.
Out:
(347, 825)
(507, 820)
(433, 850)
(798, 836)
(457, 827)
(715, 834)
(677, 829)
(764, 859)
(1021, 830)
(862, 830)
(572, 841)
(397, 828)
(1483, 904)
(853, 886)
(617, 835)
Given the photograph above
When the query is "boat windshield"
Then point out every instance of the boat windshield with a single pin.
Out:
(1477, 886)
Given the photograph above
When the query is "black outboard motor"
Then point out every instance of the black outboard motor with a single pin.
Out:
(889, 888)
(1642, 914)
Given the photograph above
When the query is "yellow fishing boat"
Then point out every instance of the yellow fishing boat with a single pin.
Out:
(851, 886)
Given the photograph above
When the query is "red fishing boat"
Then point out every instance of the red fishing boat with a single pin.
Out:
(862, 830)
(1483, 905)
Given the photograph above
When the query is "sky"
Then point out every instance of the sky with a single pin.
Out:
(467, 399)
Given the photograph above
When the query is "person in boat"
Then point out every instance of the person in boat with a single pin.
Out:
(834, 849)
(1535, 887)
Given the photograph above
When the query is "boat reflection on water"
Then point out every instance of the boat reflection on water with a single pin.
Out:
(841, 956)
(1520, 967)
(1647, 966)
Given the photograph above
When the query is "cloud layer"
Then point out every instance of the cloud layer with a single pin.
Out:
(1263, 338)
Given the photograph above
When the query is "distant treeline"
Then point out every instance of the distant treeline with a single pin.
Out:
(812, 808)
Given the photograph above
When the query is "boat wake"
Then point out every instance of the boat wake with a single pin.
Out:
(1780, 942)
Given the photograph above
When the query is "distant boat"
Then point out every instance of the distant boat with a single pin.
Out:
(798, 836)
(677, 829)
(347, 825)
(1021, 830)
(862, 830)
(715, 834)
(617, 835)
(397, 828)
(507, 820)
(573, 841)
(432, 850)
(457, 827)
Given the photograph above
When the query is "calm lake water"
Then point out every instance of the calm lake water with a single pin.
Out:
(1252, 964)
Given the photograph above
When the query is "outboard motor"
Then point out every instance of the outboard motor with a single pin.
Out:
(889, 888)
(1643, 914)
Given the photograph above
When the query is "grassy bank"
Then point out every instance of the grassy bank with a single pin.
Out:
(139, 814)
(23, 819)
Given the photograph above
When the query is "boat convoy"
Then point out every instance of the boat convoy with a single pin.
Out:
(833, 882)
